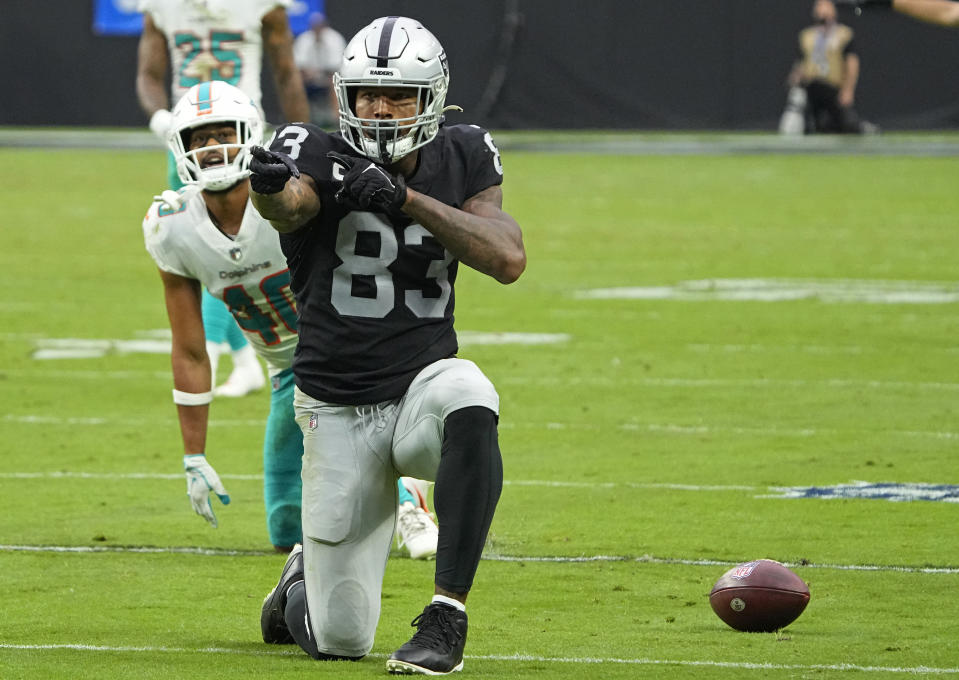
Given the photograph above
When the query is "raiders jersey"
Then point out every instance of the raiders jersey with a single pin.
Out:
(213, 40)
(247, 272)
(374, 293)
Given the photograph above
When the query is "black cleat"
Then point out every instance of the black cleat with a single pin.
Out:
(272, 622)
(437, 646)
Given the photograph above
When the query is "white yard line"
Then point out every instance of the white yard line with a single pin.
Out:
(759, 348)
(489, 557)
(862, 490)
(617, 382)
(830, 291)
(696, 383)
(65, 474)
(163, 421)
(664, 428)
(173, 550)
(158, 342)
(530, 658)
(650, 559)
(589, 381)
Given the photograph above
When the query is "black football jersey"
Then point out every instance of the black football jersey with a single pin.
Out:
(374, 293)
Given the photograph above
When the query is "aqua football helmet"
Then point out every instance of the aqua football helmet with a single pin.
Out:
(392, 52)
(214, 102)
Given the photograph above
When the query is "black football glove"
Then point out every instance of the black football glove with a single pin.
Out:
(860, 5)
(270, 170)
(367, 186)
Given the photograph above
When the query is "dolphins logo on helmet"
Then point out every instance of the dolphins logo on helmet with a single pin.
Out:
(214, 102)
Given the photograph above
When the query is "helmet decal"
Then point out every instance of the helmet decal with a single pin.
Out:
(386, 37)
(204, 100)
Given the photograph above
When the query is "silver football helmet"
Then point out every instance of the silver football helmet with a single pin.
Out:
(393, 52)
(214, 102)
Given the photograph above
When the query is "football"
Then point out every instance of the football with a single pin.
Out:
(759, 596)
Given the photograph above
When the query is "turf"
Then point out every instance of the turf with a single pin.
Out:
(645, 453)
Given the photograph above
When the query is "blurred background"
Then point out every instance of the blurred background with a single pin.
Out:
(525, 64)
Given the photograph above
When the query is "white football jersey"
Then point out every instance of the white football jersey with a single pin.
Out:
(249, 272)
(213, 40)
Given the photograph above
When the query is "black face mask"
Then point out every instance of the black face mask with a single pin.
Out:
(819, 21)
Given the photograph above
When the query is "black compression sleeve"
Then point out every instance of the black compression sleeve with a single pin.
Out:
(468, 486)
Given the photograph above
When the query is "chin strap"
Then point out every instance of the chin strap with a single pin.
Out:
(451, 107)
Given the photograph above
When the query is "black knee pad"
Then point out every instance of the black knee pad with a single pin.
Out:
(297, 618)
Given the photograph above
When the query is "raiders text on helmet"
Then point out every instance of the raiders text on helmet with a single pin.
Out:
(214, 102)
(392, 52)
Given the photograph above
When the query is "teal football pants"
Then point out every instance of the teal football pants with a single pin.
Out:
(282, 462)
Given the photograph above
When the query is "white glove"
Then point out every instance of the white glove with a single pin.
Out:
(160, 123)
(201, 478)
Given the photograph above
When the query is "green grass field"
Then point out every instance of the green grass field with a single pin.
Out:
(722, 327)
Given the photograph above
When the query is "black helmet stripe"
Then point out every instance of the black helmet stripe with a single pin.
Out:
(383, 50)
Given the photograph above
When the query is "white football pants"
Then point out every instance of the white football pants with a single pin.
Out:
(352, 456)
